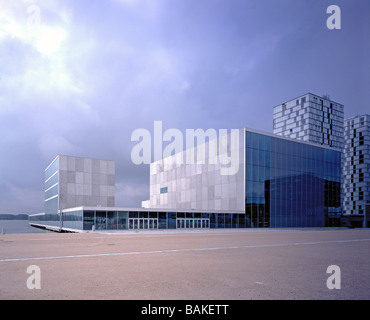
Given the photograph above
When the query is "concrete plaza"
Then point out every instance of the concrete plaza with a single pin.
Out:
(202, 265)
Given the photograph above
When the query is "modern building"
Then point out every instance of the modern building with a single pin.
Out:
(311, 118)
(98, 218)
(74, 181)
(244, 179)
(279, 182)
(79, 196)
(356, 171)
(176, 182)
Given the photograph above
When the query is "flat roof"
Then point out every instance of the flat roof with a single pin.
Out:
(292, 139)
(148, 210)
(77, 157)
(357, 117)
(302, 95)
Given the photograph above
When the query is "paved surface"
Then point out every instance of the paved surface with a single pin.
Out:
(231, 265)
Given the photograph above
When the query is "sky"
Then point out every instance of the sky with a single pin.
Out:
(77, 77)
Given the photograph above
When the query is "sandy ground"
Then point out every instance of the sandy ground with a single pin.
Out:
(203, 265)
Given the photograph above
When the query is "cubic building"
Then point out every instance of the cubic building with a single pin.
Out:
(73, 181)
(311, 118)
(281, 182)
(80, 195)
(203, 182)
(356, 171)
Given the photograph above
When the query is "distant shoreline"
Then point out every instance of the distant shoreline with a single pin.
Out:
(13, 217)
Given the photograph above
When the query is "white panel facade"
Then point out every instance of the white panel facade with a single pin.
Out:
(177, 184)
(86, 182)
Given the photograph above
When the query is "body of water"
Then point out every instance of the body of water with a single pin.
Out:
(18, 226)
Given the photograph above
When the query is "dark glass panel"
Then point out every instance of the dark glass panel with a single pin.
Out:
(101, 220)
(88, 220)
(112, 220)
(171, 220)
(133, 214)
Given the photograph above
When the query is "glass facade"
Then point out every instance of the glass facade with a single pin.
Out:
(52, 220)
(81, 219)
(52, 188)
(290, 184)
(73, 220)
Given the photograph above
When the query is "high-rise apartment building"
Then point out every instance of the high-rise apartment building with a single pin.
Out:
(356, 170)
(311, 118)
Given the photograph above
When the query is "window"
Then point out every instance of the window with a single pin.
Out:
(163, 190)
(361, 141)
(361, 177)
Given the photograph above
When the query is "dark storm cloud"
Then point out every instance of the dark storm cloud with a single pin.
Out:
(94, 71)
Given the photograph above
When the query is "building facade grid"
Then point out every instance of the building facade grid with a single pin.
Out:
(310, 118)
(356, 166)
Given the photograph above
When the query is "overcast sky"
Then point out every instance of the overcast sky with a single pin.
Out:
(81, 76)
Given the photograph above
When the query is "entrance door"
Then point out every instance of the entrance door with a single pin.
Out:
(180, 224)
(192, 223)
(131, 224)
(151, 223)
(189, 223)
(195, 224)
(142, 224)
(205, 223)
(155, 223)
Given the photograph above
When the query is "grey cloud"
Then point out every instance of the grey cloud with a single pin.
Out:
(192, 64)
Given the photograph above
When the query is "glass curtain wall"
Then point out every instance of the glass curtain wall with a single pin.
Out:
(131, 220)
(143, 220)
(257, 180)
(52, 189)
(290, 184)
(73, 220)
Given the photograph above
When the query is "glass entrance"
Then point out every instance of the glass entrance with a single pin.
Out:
(192, 223)
(153, 223)
(142, 224)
